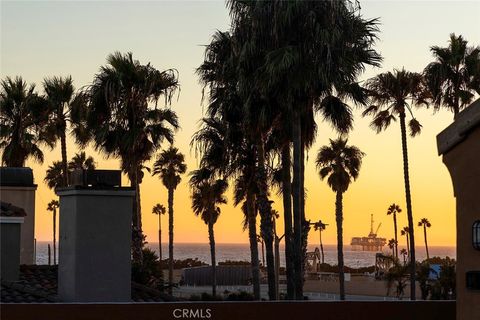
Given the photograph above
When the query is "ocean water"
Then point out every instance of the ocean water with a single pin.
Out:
(225, 251)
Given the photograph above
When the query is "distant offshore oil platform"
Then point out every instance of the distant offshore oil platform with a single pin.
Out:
(370, 243)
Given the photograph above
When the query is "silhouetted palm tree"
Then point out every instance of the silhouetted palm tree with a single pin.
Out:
(393, 210)
(393, 94)
(404, 254)
(124, 121)
(406, 232)
(207, 195)
(23, 114)
(53, 206)
(169, 166)
(81, 161)
(340, 164)
(280, 47)
(226, 147)
(159, 209)
(453, 78)
(425, 224)
(262, 245)
(61, 98)
(320, 226)
(392, 244)
(54, 175)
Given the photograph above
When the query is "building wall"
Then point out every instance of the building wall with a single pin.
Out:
(10, 245)
(23, 197)
(463, 162)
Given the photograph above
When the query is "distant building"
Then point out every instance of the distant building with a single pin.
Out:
(459, 144)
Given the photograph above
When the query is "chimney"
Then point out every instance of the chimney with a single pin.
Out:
(17, 188)
(11, 218)
(95, 238)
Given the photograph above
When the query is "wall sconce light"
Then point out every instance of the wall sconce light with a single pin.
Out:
(476, 235)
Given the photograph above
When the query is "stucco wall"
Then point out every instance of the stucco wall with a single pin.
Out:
(463, 162)
(23, 197)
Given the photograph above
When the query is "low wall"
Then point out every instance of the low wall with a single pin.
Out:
(349, 310)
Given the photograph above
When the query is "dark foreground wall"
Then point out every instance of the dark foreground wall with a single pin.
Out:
(426, 310)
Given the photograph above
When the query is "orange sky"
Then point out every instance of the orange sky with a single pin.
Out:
(170, 35)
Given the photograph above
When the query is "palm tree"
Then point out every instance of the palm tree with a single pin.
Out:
(404, 254)
(60, 95)
(225, 145)
(53, 206)
(159, 210)
(22, 119)
(425, 224)
(169, 166)
(54, 175)
(282, 47)
(341, 164)
(406, 232)
(320, 226)
(81, 161)
(124, 121)
(453, 78)
(393, 210)
(393, 94)
(206, 196)
(392, 244)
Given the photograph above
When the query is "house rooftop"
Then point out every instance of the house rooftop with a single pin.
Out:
(38, 284)
(9, 210)
(465, 122)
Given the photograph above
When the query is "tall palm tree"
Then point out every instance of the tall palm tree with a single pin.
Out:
(453, 78)
(23, 114)
(320, 226)
(285, 46)
(159, 209)
(340, 164)
(53, 206)
(425, 224)
(60, 95)
(169, 166)
(224, 143)
(393, 209)
(54, 175)
(207, 195)
(393, 94)
(392, 244)
(124, 121)
(406, 232)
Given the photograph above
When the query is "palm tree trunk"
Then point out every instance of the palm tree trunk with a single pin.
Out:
(252, 234)
(266, 223)
(211, 238)
(160, 256)
(409, 205)
(321, 247)
(287, 216)
(297, 210)
(263, 253)
(170, 240)
(426, 244)
(339, 218)
(54, 237)
(277, 266)
(395, 227)
(137, 237)
(408, 247)
(63, 141)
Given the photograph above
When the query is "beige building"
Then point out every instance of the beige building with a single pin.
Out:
(18, 189)
(459, 144)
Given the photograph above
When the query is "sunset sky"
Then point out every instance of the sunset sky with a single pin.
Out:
(61, 38)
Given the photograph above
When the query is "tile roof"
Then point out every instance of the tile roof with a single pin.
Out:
(9, 210)
(38, 284)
